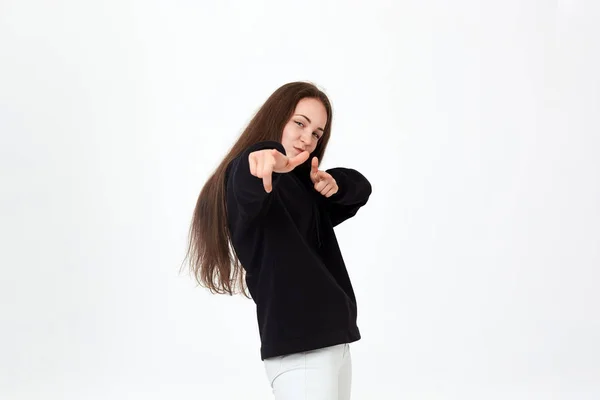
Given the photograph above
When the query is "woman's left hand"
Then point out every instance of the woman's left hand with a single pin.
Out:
(323, 182)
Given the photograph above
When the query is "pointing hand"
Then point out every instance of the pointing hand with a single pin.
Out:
(323, 182)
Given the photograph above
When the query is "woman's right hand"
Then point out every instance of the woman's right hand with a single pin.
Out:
(264, 162)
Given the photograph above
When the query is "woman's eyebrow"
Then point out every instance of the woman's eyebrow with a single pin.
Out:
(308, 119)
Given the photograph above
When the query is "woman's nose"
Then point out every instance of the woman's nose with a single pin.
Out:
(305, 137)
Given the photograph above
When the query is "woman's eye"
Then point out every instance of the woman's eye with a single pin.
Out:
(299, 123)
(316, 135)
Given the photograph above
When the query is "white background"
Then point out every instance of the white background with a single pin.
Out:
(475, 262)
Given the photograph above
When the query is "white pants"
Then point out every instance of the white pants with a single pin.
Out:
(322, 374)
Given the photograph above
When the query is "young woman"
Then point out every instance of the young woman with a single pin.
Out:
(264, 222)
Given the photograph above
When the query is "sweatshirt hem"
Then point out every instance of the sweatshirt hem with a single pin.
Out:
(311, 343)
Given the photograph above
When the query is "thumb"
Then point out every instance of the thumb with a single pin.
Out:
(293, 162)
(314, 166)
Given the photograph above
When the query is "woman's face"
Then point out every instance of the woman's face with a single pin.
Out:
(305, 128)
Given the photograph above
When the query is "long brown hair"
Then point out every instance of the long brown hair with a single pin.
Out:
(210, 255)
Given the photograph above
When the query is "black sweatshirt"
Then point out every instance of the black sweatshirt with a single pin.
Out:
(285, 241)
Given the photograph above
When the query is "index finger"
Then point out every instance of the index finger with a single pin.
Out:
(267, 177)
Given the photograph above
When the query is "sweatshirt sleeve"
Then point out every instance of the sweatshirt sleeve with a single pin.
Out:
(246, 189)
(353, 193)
